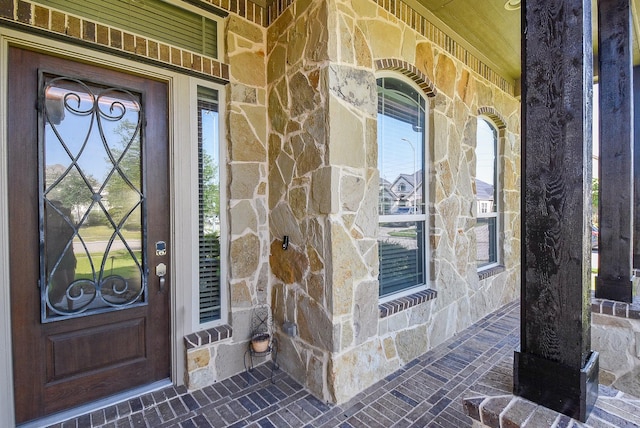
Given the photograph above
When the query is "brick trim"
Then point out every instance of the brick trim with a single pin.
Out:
(206, 337)
(493, 114)
(70, 27)
(489, 272)
(403, 303)
(410, 71)
(616, 309)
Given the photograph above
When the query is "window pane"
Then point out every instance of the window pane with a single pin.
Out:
(209, 204)
(401, 206)
(486, 194)
(486, 239)
(486, 167)
(91, 199)
(401, 253)
(400, 149)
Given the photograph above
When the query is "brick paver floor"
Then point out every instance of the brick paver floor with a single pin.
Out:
(427, 392)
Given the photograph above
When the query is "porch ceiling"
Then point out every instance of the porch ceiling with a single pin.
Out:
(493, 33)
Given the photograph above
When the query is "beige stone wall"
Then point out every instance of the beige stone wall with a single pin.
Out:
(323, 187)
(617, 341)
(248, 258)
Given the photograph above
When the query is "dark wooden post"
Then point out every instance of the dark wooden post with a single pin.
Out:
(636, 168)
(614, 280)
(555, 366)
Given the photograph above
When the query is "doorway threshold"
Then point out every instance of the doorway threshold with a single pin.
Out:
(96, 405)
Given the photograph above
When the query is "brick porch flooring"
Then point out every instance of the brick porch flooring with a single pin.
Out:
(427, 392)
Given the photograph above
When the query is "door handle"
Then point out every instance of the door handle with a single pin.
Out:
(161, 272)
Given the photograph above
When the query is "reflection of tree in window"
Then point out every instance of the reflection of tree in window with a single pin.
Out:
(209, 206)
(121, 196)
(72, 191)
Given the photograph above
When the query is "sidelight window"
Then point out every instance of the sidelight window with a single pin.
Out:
(209, 205)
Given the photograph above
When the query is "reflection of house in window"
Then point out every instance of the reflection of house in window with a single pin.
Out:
(484, 194)
(388, 199)
(408, 190)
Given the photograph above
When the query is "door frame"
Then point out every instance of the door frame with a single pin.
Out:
(180, 299)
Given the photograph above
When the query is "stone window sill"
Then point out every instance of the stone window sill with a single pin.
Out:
(403, 303)
(206, 337)
(489, 272)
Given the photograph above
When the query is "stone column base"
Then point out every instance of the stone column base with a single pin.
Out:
(555, 385)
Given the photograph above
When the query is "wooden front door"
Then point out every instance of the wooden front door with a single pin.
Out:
(89, 232)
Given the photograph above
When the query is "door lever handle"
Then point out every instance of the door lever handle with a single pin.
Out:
(161, 272)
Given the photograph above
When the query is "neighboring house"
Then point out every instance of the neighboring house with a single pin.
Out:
(484, 193)
(219, 132)
(408, 188)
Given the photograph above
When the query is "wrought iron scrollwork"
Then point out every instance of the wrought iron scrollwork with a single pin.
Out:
(91, 198)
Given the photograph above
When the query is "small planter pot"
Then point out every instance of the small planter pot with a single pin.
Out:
(260, 342)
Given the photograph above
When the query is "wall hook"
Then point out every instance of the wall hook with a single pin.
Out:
(285, 242)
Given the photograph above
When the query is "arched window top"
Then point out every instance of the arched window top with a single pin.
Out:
(496, 118)
(410, 71)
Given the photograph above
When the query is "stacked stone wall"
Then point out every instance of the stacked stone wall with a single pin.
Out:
(328, 282)
(246, 139)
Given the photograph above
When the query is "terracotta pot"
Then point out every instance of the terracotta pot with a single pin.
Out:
(260, 342)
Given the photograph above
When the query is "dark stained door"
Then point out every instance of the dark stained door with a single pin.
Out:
(89, 224)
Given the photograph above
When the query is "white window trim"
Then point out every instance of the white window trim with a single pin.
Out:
(194, 313)
(425, 217)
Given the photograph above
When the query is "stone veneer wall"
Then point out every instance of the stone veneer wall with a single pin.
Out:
(615, 334)
(246, 126)
(323, 190)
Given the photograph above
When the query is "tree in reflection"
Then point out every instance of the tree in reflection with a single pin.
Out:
(73, 191)
(124, 186)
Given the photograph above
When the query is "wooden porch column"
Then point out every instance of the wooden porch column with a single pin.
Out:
(555, 366)
(614, 280)
(636, 167)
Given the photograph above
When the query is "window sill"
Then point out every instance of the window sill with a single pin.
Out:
(400, 304)
(485, 273)
(206, 337)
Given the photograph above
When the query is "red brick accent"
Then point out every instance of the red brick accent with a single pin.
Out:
(24, 12)
(41, 18)
(58, 22)
(89, 31)
(102, 35)
(152, 49)
(7, 9)
(73, 27)
(116, 38)
(128, 42)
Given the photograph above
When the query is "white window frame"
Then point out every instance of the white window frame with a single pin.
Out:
(186, 202)
(487, 213)
(425, 216)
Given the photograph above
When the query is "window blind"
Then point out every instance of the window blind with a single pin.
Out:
(208, 206)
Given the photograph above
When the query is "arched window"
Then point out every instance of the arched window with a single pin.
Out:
(487, 200)
(402, 135)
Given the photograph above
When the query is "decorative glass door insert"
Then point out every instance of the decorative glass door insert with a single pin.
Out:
(91, 198)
